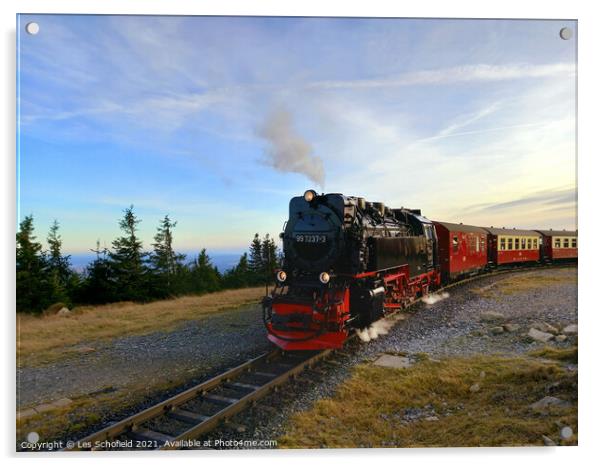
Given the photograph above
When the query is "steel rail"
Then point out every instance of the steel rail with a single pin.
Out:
(132, 427)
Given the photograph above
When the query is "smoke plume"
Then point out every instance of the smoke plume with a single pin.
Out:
(287, 151)
(378, 328)
(435, 298)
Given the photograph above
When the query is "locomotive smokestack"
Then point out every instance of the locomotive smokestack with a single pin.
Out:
(287, 151)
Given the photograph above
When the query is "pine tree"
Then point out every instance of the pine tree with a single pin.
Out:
(164, 260)
(99, 285)
(127, 260)
(256, 265)
(59, 270)
(269, 256)
(238, 276)
(206, 277)
(34, 292)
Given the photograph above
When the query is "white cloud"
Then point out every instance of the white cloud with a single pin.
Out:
(457, 74)
(512, 146)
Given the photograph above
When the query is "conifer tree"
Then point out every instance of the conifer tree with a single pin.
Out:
(127, 260)
(205, 276)
(33, 289)
(99, 285)
(164, 260)
(256, 265)
(238, 276)
(59, 270)
(269, 257)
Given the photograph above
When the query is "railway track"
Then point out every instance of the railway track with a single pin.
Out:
(200, 409)
(176, 422)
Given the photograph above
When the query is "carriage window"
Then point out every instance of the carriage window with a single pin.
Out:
(529, 244)
(476, 243)
(510, 243)
(573, 242)
(523, 243)
(502, 244)
(556, 243)
(566, 243)
(515, 243)
(455, 243)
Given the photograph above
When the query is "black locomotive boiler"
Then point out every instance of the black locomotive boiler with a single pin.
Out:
(347, 262)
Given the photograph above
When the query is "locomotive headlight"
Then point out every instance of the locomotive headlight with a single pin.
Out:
(309, 195)
(324, 277)
(281, 276)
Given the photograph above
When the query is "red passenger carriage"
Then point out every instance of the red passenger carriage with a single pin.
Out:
(558, 245)
(512, 246)
(462, 249)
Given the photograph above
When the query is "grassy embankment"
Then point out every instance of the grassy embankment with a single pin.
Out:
(43, 339)
(517, 283)
(369, 409)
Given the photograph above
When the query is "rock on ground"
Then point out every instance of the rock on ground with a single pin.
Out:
(389, 360)
(539, 335)
(492, 317)
(546, 328)
(547, 402)
(547, 441)
(570, 329)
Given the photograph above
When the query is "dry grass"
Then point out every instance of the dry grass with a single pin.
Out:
(523, 282)
(368, 409)
(48, 338)
(559, 354)
(86, 411)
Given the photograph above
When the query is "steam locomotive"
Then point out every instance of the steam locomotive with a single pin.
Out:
(349, 262)
(346, 262)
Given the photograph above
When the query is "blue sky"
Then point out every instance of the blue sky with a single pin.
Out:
(219, 121)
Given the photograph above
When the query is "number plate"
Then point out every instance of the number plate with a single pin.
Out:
(310, 238)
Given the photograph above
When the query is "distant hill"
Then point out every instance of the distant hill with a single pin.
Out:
(223, 261)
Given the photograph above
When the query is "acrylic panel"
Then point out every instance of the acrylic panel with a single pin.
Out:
(295, 232)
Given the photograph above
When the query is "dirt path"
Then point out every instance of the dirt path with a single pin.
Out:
(193, 350)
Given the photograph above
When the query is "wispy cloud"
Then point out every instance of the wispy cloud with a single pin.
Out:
(558, 197)
(467, 120)
(457, 74)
